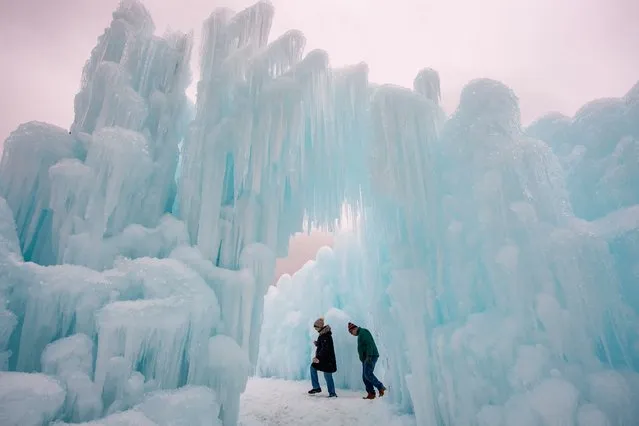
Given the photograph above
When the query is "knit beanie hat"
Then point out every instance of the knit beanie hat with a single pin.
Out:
(319, 323)
(351, 326)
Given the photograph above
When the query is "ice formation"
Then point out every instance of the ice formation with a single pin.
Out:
(190, 405)
(29, 399)
(497, 297)
(103, 297)
(496, 265)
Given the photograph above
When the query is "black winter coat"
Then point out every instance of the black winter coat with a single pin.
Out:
(325, 353)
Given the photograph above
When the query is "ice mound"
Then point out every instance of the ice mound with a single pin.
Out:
(598, 148)
(427, 83)
(60, 301)
(125, 418)
(29, 399)
(84, 400)
(490, 103)
(554, 129)
(600, 125)
(229, 368)
(188, 406)
(72, 354)
(135, 14)
(134, 242)
(71, 361)
(176, 306)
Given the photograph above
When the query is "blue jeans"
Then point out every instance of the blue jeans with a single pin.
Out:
(370, 381)
(329, 381)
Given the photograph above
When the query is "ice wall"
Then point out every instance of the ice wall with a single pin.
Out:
(113, 304)
(599, 156)
(494, 297)
(495, 302)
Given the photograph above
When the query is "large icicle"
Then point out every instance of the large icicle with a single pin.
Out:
(209, 156)
(168, 327)
(71, 360)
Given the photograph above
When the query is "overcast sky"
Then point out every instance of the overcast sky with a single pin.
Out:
(556, 54)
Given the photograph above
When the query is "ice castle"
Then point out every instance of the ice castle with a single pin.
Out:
(496, 264)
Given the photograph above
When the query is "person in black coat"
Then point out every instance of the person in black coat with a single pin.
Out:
(324, 360)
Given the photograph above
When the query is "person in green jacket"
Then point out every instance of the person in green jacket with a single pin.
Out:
(368, 354)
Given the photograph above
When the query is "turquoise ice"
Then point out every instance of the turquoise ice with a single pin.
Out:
(496, 264)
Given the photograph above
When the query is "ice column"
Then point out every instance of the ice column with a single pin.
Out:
(28, 154)
(117, 165)
(236, 139)
(400, 228)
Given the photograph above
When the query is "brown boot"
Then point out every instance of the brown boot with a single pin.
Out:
(381, 392)
(371, 395)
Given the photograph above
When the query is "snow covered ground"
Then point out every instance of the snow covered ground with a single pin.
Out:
(272, 402)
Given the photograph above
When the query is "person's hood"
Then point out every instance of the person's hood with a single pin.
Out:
(325, 330)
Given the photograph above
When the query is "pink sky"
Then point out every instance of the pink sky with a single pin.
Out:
(303, 247)
(556, 54)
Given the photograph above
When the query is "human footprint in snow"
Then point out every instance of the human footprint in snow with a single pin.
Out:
(368, 354)
(324, 360)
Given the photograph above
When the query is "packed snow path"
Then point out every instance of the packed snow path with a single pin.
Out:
(271, 402)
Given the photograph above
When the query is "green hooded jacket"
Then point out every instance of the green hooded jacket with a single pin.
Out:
(366, 347)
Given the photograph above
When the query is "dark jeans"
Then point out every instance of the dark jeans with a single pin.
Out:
(370, 381)
(329, 381)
